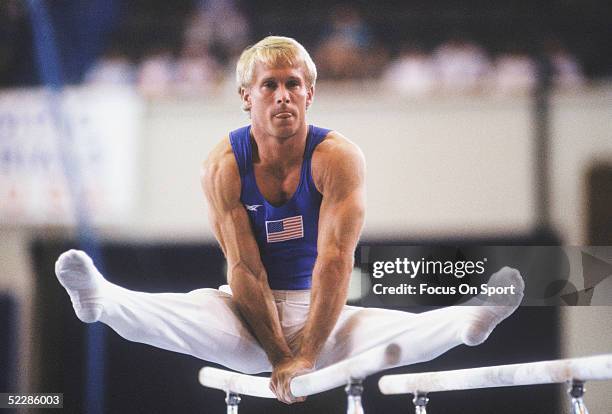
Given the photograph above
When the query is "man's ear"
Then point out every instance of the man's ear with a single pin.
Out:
(310, 96)
(245, 96)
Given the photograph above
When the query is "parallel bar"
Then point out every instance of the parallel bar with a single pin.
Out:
(333, 376)
(235, 383)
(542, 372)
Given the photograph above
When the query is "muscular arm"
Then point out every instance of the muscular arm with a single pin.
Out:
(246, 274)
(339, 173)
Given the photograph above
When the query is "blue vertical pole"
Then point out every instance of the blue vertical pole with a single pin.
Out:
(50, 71)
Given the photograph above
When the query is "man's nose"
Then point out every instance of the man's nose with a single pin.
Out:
(282, 95)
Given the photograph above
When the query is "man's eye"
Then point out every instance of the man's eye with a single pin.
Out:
(269, 85)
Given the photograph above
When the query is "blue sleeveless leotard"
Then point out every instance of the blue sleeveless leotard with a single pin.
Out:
(287, 234)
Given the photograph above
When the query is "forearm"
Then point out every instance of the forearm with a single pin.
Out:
(330, 282)
(255, 303)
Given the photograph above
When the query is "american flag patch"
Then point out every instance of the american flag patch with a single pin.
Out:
(286, 229)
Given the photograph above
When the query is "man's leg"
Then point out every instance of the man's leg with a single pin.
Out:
(204, 323)
(422, 336)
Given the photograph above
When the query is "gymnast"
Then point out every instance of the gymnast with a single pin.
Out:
(286, 204)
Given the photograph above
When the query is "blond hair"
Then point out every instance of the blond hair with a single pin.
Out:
(274, 51)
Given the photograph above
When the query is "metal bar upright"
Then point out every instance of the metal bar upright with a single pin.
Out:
(576, 392)
(232, 400)
(354, 389)
(420, 401)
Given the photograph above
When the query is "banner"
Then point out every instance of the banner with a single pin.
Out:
(68, 153)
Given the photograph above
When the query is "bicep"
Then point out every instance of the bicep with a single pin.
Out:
(340, 224)
(343, 207)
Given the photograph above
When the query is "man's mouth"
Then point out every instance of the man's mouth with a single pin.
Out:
(283, 115)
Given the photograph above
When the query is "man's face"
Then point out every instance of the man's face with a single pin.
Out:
(277, 99)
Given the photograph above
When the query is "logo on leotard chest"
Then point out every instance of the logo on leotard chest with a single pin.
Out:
(252, 207)
(286, 229)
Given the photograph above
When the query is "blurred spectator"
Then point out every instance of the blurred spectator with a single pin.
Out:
(219, 26)
(343, 52)
(199, 31)
(515, 72)
(462, 65)
(113, 67)
(567, 73)
(196, 72)
(156, 73)
(411, 73)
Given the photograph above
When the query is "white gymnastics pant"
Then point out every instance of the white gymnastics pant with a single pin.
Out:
(205, 323)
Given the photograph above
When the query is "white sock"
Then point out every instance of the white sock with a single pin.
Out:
(483, 313)
(78, 275)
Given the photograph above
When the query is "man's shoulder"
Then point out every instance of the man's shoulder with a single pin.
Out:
(335, 148)
(220, 155)
(220, 164)
(337, 161)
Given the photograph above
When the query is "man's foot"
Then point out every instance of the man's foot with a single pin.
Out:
(78, 275)
(483, 313)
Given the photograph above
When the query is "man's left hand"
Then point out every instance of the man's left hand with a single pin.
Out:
(283, 373)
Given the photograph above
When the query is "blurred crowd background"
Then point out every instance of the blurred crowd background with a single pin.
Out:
(436, 93)
(189, 47)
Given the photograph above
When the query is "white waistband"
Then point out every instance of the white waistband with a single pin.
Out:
(299, 296)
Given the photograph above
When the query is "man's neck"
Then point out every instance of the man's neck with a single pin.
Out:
(279, 152)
